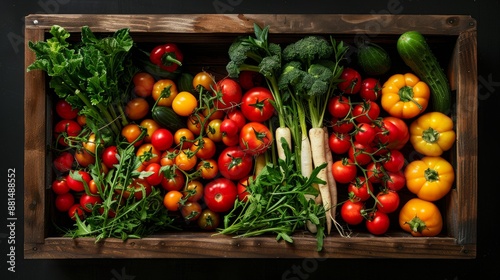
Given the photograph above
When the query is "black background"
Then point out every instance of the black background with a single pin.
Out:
(11, 113)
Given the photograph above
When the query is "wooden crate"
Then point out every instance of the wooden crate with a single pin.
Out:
(453, 38)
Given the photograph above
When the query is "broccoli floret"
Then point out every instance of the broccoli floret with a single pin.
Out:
(308, 49)
(320, 72)
(291, 75)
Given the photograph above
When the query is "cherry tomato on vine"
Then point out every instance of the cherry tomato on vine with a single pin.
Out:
(186, 160)
(172, 199)
(213, 130)
(360, 153)
(148, 154)
(365, 134)
(404, 134)
(157, 176)
(351, 83)
(344, 171)
(388, 201)
(64, 162)
(65, 111)
(164, 92)
(237, 116)
(183, 138)
(162, 139)
(256, 104)
(76, 210)
(110, 156)
(66, 128)
(193, 190)
(88, 201)
(173, 180)
(151, 126)
(360, 189)
(377, 223)
(204, 148)
(351, 212)
(234, 163)
(342, 125)
(75, 180)
(208, 220)
(395, 181)
(366, 112)
(394, 161)
(84, 158)
(339, 143)
(59, 186)
(132, 132)
(229, 127)
(339, 106)
(374, 173)
(220, 194)
(205, 80)
(137, 109)
(64, 201)
(241, 187)
(184, 103)
(370, 89)
(255, 138)
(208, 168)
(229, 94)
(191, 211)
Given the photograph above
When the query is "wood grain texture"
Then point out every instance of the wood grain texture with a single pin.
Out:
(212, 34)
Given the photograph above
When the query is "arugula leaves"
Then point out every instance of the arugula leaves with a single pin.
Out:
(278, 203)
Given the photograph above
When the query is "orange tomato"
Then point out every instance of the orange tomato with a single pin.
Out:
(164, 92)
(186, 160)
(137, 108)
(204, 148)
(148, 154)
(193, 190)
(205, 80)
(132, 132)
(194, 122)
(183, 138)
(151, 126)
(167, 157)
(84, 158)
(171, 200)
(184, 103)
(208, 169)
(213, 130)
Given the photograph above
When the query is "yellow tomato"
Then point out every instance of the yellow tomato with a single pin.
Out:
(164, 92)
(184, 103)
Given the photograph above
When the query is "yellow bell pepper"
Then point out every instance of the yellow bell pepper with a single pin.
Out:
(432, 134)
(420, 218)
(430, 178)
(405, 96)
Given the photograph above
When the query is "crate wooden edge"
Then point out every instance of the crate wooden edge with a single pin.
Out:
(35, 217)
(205, 245)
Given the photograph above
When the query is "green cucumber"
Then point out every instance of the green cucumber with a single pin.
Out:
(167, 118)
(415, 52)
(185, 83)
(373, 59)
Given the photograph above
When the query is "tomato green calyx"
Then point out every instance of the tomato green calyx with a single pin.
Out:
(431, 175)
(417, 225)
(430, 135)
(406, 95)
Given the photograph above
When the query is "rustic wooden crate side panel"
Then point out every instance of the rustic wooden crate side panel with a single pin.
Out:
(237, 23)
(35, 151)
(464, 210)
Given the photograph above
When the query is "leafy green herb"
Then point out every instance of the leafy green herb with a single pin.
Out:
(92, 75)
(277, 203)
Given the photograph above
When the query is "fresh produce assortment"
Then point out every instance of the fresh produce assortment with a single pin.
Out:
(293, 137)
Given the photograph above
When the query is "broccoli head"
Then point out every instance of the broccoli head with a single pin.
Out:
(308, 49)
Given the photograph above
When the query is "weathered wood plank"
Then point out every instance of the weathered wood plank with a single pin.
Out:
(360, 25)
(204, 245)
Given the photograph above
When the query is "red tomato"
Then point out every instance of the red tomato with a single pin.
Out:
(365, 133)
(242, 189)
(256, 104)
(250, 79)
(237, 116)
(342, 126)
(173, 180)
(220, 195)
(76, 178)
(396, 180)
(110, 156)
(65, 111)
(59, 186)
(351, 212)
(64, 162)
(228, 93)
(377, 223)
(64, 201)
(351, 83)
(255, 138)
(388, 201)
(360, 153)
(370, 89)
(404, 134)
(89, 201)
(234, 163)
(229, 127)
(388, 134)
(76, 210)
(162, 139)
(66, 128)
(339, 143)
(366, 112)
(360, 189)
(230, 141)
(157, 176)
(139, 187)
(394, 161)
(339, 106)
(374, 172)
(344, 171)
